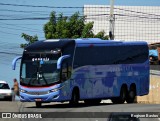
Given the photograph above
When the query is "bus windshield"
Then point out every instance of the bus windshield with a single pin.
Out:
(39, 69)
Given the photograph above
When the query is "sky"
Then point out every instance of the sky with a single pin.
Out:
(11, 30)
(26, 11)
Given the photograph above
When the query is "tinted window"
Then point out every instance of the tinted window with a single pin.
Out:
(69, 50)
(105, 55)
(4, 86)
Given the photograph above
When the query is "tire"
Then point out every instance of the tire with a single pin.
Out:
(87, 101)
(115, 100)
(75, 98)
(10, 99)
(96, 101)
(131, 96)
(38, 104)
(121, 99)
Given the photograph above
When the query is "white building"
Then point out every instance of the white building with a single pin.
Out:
(131, 22)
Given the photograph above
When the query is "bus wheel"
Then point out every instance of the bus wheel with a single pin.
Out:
(96, 101)
(87, 101)
(114, 100)
(75, 98)
(121, 99)
(131, 95)
(38, 104)
(123, 94)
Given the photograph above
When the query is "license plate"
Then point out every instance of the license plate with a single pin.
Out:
(38, 99)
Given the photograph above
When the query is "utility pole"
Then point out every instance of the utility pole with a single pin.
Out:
(111, 20)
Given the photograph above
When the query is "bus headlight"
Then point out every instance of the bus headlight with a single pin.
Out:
(23, 91)
(56, 89)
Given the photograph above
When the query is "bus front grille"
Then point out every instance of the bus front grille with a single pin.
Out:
(38, 93)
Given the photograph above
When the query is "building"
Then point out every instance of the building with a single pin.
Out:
(131, 22)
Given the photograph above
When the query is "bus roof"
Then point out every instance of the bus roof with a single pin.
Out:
(49, 44)
(100, 42)
(60, 43)
(95, 41)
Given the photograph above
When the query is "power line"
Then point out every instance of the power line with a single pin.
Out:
(20, 26)
(36, 12)
(18, 29)
(20, 11)
(9, 33)
(137, 12)
(34, 18)
(35, 6)
(10, 53)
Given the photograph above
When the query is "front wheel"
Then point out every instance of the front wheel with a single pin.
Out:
(38, 104)
(131, 96)
(75, 98)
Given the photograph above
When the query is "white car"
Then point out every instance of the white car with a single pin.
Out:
(5, 91)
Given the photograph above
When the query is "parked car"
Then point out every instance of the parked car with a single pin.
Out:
(154, 53)
(153, 56)
(5, 91)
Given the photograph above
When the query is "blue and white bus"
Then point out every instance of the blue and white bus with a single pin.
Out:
(90, 70)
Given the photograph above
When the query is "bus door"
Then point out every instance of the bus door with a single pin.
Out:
(65, 78)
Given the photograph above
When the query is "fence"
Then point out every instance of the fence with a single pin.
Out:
(131, 22)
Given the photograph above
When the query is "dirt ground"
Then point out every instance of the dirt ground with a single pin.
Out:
(154, 94)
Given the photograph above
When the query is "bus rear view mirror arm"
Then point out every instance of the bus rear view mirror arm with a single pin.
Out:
(60, 60)
(14, 62)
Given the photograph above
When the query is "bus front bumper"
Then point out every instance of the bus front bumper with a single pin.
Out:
(50, 97)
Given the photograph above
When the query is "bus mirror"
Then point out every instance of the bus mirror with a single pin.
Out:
(14, 62)
(60, 60)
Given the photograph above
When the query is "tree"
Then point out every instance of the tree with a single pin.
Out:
(29, 39)
(70, 27)
(65, 27)
(102, 35)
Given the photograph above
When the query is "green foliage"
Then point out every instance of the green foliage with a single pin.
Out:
(87, 31)
(29, 39)
(73, 27)
(102, 35)
(65, 27)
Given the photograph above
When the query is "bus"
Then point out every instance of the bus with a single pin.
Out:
(89, 70)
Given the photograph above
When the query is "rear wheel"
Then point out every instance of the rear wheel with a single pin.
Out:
(38, 104)
(121, 99)
(96, 101)
(87, 101)
(131, 95)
